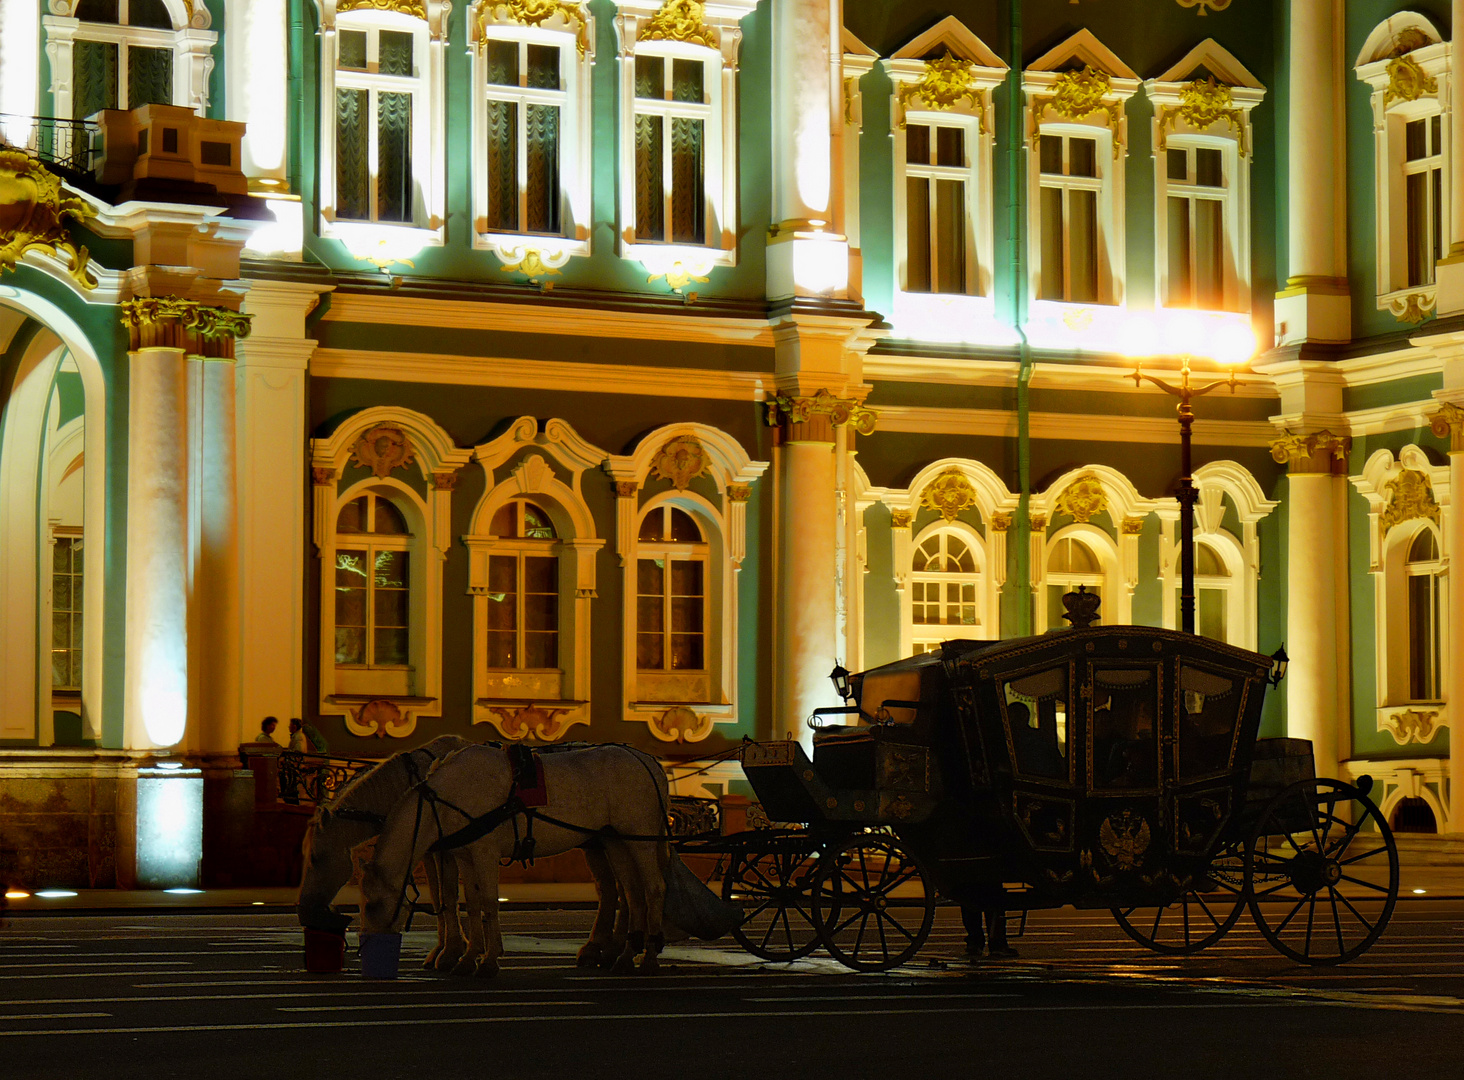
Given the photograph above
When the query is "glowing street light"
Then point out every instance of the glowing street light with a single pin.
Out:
(1189, 336)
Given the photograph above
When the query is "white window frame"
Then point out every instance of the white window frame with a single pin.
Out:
(1112, 610)
(374, 674)
(670, 551)
(1102, 187)
(977, 269)
(492, 20)
(398, 240)
(982, 629)
(1232, 298)
(634, 25)
(1391, 115)
(1434, 571)
(190, 41)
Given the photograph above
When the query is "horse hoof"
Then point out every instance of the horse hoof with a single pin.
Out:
(649, 965)
(611, 955)
(590, 954)
(487, 969)
(466, 966)
(431, 961)
(624, 964)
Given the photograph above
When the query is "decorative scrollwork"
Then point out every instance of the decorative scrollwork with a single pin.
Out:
(173, 322)
(1077, 95)
(534, 721)
(681, 461)
(945, 83)
(1410, 495)
(1411, 726)
(1407, 81)
(1448, 423)
(680, 20)
(1213, 5)
(1413, 308)
(688, 815)
(1201, 105)
(678, 276)
(840, 411)
(948, 494)
(530, 263)
(680, 724)
(383, 448)
(537, 13)
(417, 9)
(1083, 500)
(34, 209)
(1310, 452)
(315, 778)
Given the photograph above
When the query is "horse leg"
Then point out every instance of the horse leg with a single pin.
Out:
(467, 961)
(452, 946)
(650, 860)
(628, 874)
(434, 890)
(593, 950)
(492, 933)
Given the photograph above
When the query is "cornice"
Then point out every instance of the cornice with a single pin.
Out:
(960, 371)
(1002, 423)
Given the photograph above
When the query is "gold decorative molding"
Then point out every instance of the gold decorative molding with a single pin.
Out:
(171, 322)
(1202, 105)
(1131, 526)
(948, 494)
(1038, 522)
(322, 477)
(626, 489)
(681, 461)
(680, 724)
(1083, 500)
(851, 89)
(382, 449)
(417, 9)
(1213, 5)
(445, 481)
(34, 209)
(535, 720)
(380, 717)
(1077, 95)
(840, 411)
(943, 84)
(531, 264)
(1413, 308)
(901, 519)
(1320, 451)
(1002, 521)
(537, 13)
(1409, 496)
(1448, 423)
(680, 20)
(1407, 81)
(678, 277)
(739, 492)
(1411, 726)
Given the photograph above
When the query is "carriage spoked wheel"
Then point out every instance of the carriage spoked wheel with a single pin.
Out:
(1322, 872)
(1198, 917)
(872, 904)
(773, 886)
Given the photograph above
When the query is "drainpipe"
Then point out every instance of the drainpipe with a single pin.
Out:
(1017, 235)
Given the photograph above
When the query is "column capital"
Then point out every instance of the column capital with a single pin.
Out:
(171, 322)
(1318, 452)
(1448, 422)
(901, 519)
(813, 419)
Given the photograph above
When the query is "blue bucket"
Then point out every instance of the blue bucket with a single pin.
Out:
(380, 955)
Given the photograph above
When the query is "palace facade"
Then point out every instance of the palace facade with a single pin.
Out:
(547, 370)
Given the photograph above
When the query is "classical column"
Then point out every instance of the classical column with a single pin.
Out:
(807, 590)
(216, 584)
(1450, 274)
(1449, 422)
(1315, 305)
(1316, 626)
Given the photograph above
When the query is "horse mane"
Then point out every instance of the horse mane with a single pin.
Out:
(377, 789)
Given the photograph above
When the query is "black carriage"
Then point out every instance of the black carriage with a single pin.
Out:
(1111, 767)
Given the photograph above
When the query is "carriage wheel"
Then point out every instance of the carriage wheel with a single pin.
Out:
(1322, 872)
(773, 887)
(872, 904)
(1200, 917)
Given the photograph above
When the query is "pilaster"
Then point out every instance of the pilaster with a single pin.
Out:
(1450, 270)
(1448, 423)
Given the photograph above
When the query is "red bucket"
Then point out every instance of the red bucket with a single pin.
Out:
(325, 952)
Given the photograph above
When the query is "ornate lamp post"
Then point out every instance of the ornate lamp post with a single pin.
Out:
(1231, 346)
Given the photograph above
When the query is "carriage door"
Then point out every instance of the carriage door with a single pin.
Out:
(1207, 725)
(1036, 707)
(1122, 701)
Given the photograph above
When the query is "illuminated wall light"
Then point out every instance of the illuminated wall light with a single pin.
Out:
(1419, 892)
(17, 894)
(820, 264)
(55, 894)
(184, 892)
(282, 237)
(169, 828)
(165, 700)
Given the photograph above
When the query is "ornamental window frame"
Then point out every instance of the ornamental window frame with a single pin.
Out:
(711, 34)
(1214, 114)
(1405, 63)
(1075, 60)
(543, 464)
(426, 20)
(978, 580)
(189, 39)
(420, 486)
(570, 28)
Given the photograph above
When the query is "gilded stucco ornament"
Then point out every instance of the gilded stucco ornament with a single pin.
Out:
(739, 492)
(380, 718)
(680, 724)
(1002, 521)
(1448, 423)
(948, 494)
(537, 13)
(34, 208)
(417, 9)
(1290, 448)
(901, 519)
(1213, 5)
(943, 85)
(681, 461)
(678, 276)
(1411, 726)
(1131, 526)
(1407, 81)
(176, 323)
(531, 264)
(626, 489)
(1083, 500)
(680, 20)
(533, 721)
(1413, 308)
(839, 410)
(1202, 105)
(382, 449)
(1409, 495)
(1077, 95)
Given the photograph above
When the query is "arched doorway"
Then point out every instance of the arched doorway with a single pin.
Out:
(1413, 816)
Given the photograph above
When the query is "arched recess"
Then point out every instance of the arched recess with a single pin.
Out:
(387, 440)
(1111, 583)
(23, 713)
(543, 467)
(1084, 494)
(681, 454)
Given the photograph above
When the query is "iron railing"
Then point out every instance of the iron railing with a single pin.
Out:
(70, 145)
(315, 778)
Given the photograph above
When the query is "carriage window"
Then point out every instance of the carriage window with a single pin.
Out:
(1124, 728)
(1036, 708)
(1211, 710)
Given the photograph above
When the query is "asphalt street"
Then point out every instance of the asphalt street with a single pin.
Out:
(224, 996)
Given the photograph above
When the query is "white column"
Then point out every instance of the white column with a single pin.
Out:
(1450, 275)
(807, 597)
(1315, 304)
(155, 701)
(215, 681)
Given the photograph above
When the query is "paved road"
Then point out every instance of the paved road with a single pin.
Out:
(224, 996)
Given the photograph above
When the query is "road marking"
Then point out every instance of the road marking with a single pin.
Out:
(977, 995)
(430, 1005)
(54, 1016)
(101, 963)
(127, 974)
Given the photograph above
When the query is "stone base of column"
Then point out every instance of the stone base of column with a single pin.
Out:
(804, 262)
(1313, 311)
(1449, 273)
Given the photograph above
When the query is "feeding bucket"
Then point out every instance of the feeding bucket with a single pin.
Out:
(380, 955)
(325, 951)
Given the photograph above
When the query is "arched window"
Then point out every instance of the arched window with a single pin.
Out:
(523, 589)
(944, 592)
(1213, 583)
(671, 594)
(1422, 569)
(372, 584)
(1070, 563)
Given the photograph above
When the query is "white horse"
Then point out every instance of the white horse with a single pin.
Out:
(609, 800)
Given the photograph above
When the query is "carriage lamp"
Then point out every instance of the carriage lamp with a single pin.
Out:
(1279, 660)
(1189, 336)
(840, 678)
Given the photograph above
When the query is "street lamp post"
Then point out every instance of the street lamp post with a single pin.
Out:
(1232, 348)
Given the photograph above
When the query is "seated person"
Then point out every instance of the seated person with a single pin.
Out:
(1035, 747)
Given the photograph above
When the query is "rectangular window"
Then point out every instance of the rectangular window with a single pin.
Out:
(66, 593)
(94, 77)
(525, 106)
(937, 175)
(372, 602)
(1195, 227)
(671, 116)
(149, 76)
(1423, 637)
(376, 88)
(670, 614)
(1423, 178)
(1069, 186)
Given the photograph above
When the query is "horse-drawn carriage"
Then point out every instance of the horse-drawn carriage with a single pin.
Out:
(1112, 767)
